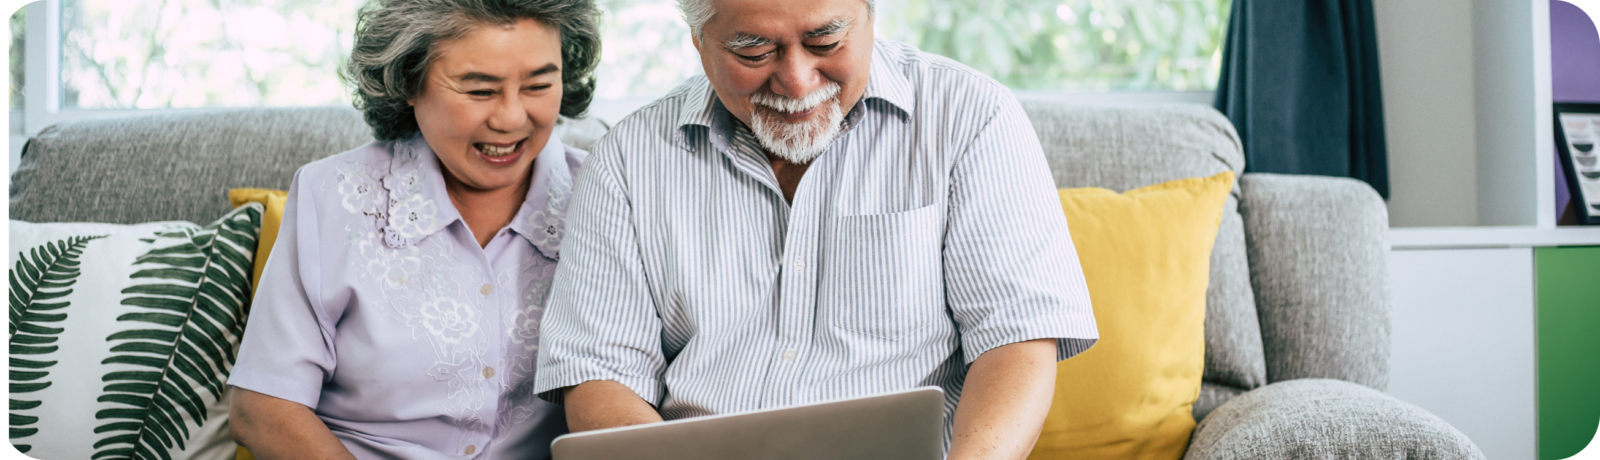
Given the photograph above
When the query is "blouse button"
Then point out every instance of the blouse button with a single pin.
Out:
(471, 448)
(488, 372)
(486, 289)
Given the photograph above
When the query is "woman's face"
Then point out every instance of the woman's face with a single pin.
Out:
(489, 102)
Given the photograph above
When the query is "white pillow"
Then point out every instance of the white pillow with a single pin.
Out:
(101, 313)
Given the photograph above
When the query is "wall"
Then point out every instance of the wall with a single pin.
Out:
(1574, 67)
(1463, 342)
(1426, 50)
(1574, 54)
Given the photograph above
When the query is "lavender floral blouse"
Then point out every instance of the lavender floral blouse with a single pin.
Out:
(379, 310)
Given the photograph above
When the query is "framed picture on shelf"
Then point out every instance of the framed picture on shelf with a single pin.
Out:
(1577, 130)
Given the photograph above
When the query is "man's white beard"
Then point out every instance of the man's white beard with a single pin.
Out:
(798, 143)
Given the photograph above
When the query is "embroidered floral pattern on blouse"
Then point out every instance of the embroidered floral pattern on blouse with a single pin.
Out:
(362, 193)
(449, 320)
(549, 226)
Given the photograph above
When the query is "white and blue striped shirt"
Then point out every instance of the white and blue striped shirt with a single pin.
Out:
(927, 234)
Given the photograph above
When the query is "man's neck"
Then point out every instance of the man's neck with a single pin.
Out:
(788, 175)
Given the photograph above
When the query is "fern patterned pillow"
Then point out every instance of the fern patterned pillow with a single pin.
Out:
(122, 336)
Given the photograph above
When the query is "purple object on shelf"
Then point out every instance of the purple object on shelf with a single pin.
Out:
(1574, 71)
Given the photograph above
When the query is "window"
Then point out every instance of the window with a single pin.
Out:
(114, 55)
(120, 54)
(1051, 45)
(15, 45)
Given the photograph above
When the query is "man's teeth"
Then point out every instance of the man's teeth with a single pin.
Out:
(495, 151)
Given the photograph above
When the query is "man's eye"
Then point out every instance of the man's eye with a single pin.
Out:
(756, 58)
(824, 48)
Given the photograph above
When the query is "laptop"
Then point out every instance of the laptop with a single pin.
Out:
(903, 425)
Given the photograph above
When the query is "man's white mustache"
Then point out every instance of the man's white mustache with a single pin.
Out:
(786, 104)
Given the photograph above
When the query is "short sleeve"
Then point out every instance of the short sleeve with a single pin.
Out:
(287, 350)
(601, 321)
(1011, 272)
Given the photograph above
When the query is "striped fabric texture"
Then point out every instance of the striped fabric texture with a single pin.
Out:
(928, 233)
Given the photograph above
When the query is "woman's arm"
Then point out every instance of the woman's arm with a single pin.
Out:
(274, 428)
(1004, 402)
(598, 404)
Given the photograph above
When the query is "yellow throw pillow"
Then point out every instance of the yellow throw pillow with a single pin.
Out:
(1146, 256)
(271, 219)
(274, 202)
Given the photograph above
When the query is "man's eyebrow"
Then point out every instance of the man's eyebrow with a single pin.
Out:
(743, 40)
(487, 78)
(832, 27)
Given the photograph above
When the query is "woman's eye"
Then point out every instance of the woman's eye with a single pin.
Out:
(481, 93)
(538, 87)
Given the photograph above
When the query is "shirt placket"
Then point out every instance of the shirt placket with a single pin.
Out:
(490, 300)
(797, 298)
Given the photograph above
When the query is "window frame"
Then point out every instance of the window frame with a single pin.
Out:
(42, 93)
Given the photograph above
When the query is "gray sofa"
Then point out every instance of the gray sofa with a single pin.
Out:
(1297, 326)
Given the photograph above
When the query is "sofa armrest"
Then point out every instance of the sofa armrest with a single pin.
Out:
(1319, 262)
(1322, 418)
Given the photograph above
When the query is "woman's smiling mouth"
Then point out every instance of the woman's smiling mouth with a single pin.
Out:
(500, 154)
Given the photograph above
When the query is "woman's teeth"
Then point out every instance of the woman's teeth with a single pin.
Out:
(495, 151)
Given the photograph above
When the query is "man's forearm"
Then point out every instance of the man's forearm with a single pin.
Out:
(1004, 401)
(274, 428)
(599, 404)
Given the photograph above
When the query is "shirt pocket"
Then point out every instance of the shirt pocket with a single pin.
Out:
(885, 277)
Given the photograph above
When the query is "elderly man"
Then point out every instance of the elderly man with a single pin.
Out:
(821, 216)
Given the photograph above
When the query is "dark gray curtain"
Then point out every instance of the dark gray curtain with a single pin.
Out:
(1300, 82)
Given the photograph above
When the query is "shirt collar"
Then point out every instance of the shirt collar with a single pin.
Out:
(702, 108)
(542, 218)
(419, 205)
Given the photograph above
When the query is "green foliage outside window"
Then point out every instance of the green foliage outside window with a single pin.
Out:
(15, 27)
(1076, 45)
(208, 53)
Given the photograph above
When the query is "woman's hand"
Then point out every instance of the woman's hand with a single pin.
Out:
(274, 428)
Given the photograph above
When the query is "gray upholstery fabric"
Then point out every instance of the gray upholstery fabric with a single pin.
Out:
(179, 165)
(1123, 148)
(1212, 396)
(1325, 419)
(1319, 263)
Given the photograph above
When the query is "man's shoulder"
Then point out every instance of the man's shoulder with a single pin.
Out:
(930, 73)
(654, 126)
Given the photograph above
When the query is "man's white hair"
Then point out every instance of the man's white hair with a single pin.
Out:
(697, 12)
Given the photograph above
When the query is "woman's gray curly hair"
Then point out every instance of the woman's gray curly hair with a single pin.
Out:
(395, 40)
(697, 12)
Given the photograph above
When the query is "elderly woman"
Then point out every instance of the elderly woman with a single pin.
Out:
(398, 316)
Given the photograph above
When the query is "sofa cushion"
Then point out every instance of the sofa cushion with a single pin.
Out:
(179, 165)
(123, 336)
(1315, 419)
(1122, 148)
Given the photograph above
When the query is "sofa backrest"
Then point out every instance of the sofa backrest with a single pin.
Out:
(179, 165)
(1123, 148)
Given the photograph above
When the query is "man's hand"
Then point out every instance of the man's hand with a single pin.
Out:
(1004, 402)
(598, 404)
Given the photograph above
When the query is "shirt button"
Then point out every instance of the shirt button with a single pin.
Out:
(471, 448)
(488, 372)
(788, 355)
(486, 289)
(798, 264)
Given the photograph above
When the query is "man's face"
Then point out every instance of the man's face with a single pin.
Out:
(789, 69)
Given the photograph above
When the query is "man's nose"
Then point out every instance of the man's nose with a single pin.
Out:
(797, 75)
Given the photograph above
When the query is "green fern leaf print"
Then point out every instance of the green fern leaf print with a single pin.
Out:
(188, 298)
(40, 281)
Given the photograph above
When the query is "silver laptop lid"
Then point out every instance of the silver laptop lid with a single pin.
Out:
(904, 425)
